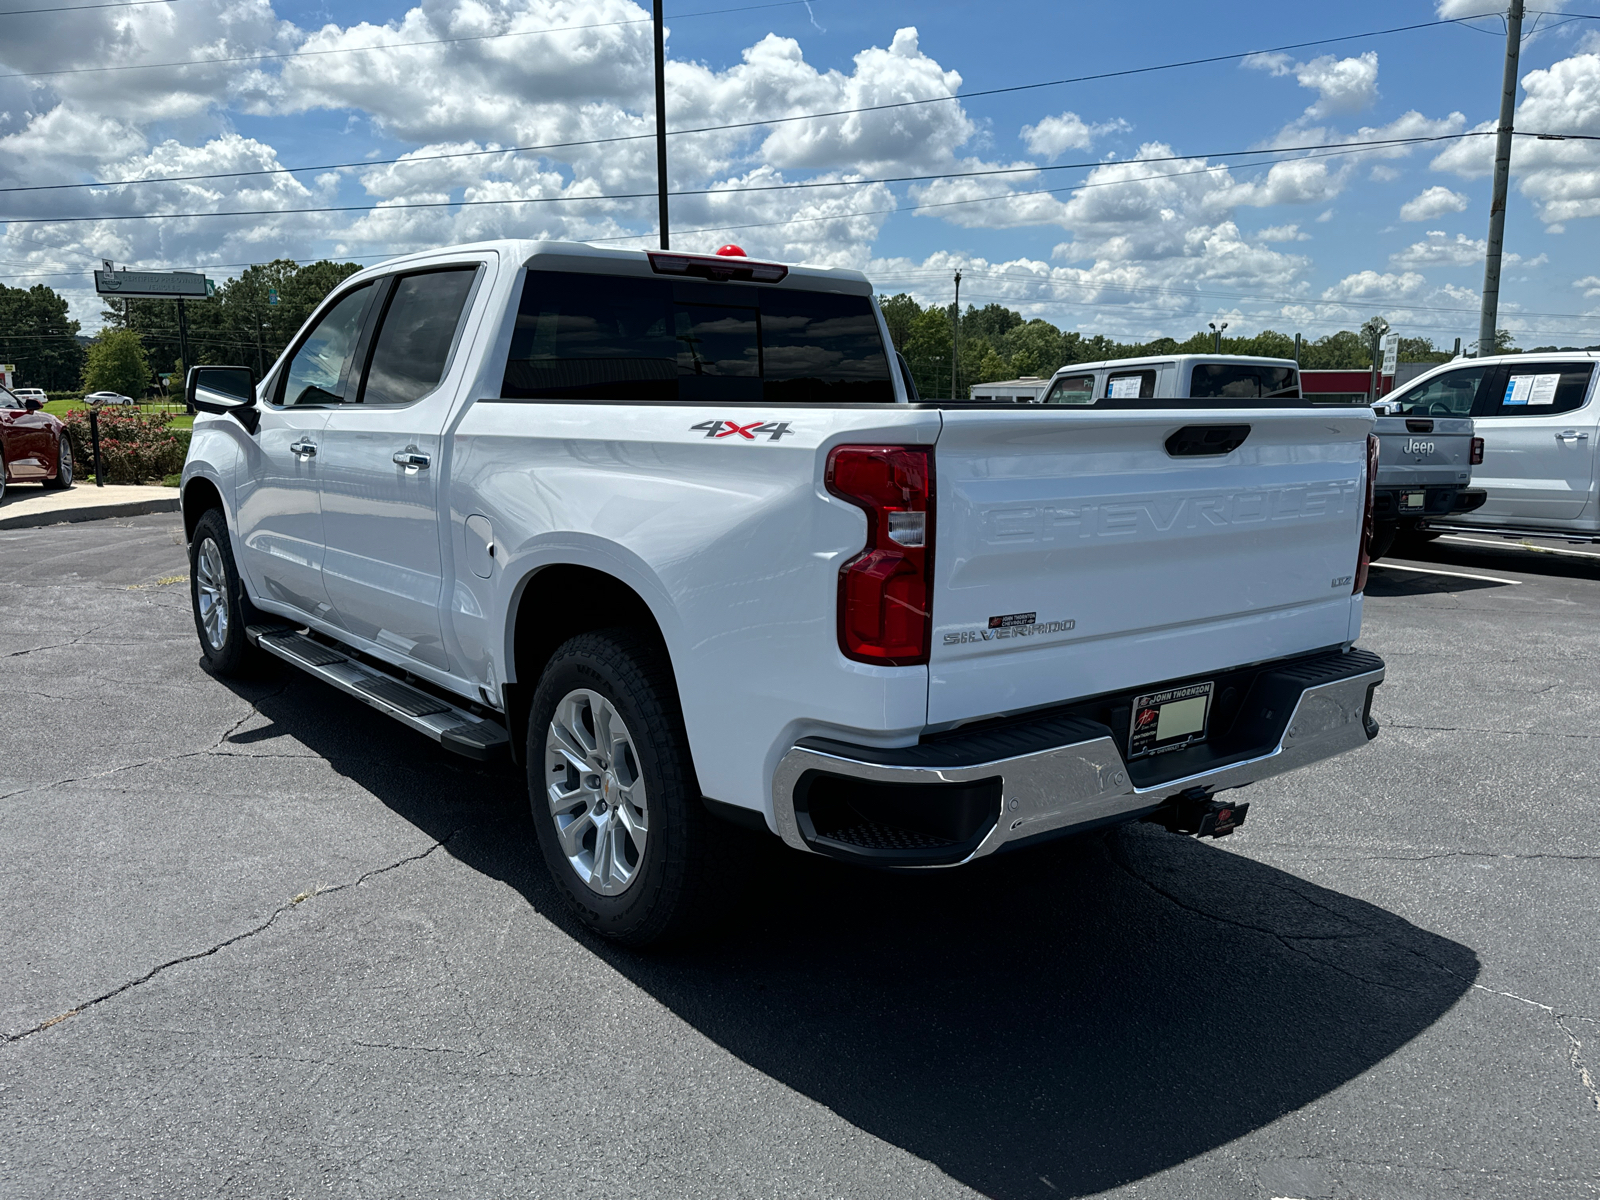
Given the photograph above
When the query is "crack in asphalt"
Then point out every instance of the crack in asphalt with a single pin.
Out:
(214, 748)
(1574, 1043)
(261, 927)
(1498, 732)
(1285, 940)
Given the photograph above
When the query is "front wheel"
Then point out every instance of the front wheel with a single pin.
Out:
(221, 608)
(614, 796)
(63, 477)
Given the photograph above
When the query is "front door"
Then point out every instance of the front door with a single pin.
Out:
(278, 497)
(1538, 426)
(381, 463)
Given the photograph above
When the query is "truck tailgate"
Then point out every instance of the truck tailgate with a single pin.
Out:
(1074, 555)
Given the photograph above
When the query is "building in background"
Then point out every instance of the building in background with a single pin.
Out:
(1029, 389)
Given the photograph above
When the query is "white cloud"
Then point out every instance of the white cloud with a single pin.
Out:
(1343, 85)
(1450, 9)
(1435, 202)
(1383, 174)
(1283, 233)
(1053, 136)
(1590, 285)
(1373, 286)
(1440, 251)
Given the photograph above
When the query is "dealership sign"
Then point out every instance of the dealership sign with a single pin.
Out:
(154, 285)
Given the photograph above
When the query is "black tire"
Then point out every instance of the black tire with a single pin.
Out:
(1382, 540)
(666, 897)
(63, 477)
(214, 578)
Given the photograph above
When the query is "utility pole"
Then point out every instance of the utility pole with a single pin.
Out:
(1489, 319)
(1297, 351)
(955, 335)
(661, 125)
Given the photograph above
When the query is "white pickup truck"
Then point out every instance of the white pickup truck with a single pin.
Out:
(669, 529)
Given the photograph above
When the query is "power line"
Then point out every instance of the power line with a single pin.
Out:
(22, 12)
(287, 54)
(800, 185)
(723, 128)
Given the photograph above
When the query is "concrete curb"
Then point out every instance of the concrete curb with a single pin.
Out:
(64, 516)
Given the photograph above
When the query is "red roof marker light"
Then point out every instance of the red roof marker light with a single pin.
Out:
(732, 251)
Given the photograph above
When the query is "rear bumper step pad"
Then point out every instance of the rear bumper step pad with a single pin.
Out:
(454, 728)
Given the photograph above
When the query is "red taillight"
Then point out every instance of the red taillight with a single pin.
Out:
(1365, 560)
(1477, 452)
(884, 592)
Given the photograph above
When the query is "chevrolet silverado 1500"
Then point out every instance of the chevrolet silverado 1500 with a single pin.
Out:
(669, 530)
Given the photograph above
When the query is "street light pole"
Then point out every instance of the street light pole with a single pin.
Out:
(661, 127)
(1217, 329)
(1489, 318)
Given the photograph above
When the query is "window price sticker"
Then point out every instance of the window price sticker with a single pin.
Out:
(1532, 390)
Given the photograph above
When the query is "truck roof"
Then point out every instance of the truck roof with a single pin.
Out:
(1150, 360)
(581, 256)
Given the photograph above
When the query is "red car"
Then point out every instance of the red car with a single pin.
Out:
(33, 445)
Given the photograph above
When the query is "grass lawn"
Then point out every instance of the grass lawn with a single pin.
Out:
(180, 419)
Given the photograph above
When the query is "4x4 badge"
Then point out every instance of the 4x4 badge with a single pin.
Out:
(721, 429)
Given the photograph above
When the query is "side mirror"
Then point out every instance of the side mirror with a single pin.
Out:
(31, 404)
(226, 391)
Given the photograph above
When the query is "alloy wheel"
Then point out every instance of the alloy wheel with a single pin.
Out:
(211, 593)
(595, 791)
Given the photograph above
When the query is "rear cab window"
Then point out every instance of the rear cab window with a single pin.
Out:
(1243, 381)
(1131, 385)
(625, 338)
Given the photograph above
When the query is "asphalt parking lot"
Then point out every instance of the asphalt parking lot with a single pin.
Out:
(260, 942)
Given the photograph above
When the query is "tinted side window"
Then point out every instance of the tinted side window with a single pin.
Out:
(1071, 389)
(1131, 385)
(822, 348)
(1243, 381)
(1447, 395)
(414, 339)
(1538, 389)
(318, 371)
(599, 337)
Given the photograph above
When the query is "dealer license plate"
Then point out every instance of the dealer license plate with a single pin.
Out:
(1409, 500)
(1169, 720)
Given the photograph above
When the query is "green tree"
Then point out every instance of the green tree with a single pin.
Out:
(117, 363)
(899, 313)
(927, 349)
(38, 337)
(1422, 350)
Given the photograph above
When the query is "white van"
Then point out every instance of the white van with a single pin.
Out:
(1540, 423)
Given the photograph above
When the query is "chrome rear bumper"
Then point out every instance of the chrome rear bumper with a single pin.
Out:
(1079, 783)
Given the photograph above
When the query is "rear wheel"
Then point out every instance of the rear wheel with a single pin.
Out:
(615, 800)
(221, 608)
(63, 477)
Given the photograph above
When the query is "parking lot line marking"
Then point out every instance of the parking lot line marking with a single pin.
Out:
(1453, 574)
(1504, 543)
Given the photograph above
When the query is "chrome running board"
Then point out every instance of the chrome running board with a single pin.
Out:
(454, 728)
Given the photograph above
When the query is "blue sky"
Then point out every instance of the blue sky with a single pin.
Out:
(1311, 244)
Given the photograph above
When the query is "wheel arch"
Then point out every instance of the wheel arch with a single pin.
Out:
(199, 495)
(557, 601)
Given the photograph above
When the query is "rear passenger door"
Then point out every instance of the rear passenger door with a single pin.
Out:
(380, 463)
(1538, 424)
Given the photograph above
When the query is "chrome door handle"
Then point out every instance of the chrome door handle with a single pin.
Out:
(1571, 435)
(412, 459)
(304, 449)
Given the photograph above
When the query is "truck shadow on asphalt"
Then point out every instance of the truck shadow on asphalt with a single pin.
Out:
(1050, 1023)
